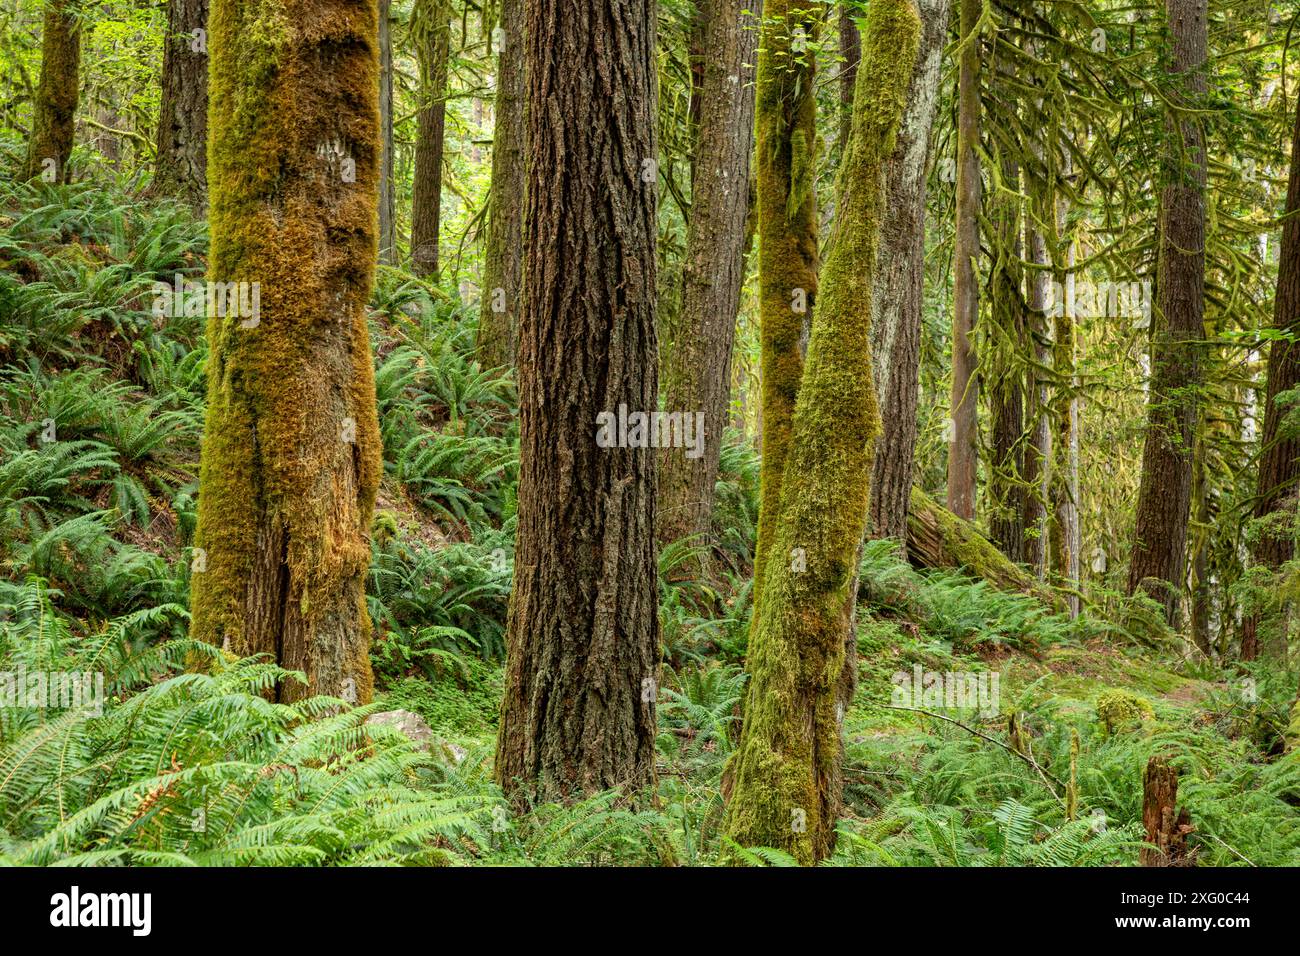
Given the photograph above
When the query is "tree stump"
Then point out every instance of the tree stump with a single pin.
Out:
(1166, 825)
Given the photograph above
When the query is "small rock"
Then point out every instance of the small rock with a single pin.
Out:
(410, 724)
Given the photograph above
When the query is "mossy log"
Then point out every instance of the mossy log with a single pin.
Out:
(937, 538)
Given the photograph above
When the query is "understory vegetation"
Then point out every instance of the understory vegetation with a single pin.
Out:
(189, 763)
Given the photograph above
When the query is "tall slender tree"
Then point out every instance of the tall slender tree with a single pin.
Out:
(431, 31)
(1160, 536)
(387, 185)
(291, 454)
(697, 365)
(963, 445)
(503, 256)
(55, 106)
(583, 634)
(786, 772)
(897, 292)
(182, 165)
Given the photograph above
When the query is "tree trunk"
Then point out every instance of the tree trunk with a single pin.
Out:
(785, 148)
(182, 164)
(697, 373)
(432, 34)
(503, 257)
(963, 451)
(851, 53)
(583, 635)
(786, 772)
(1166, 825)
(897, 293)
(387, 188)
(1038, 451)
(1279, 461)
(55, 106)
(291, 450)
(1064, 533)
(1160, 536)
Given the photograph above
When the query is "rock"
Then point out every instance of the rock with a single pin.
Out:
(409, 723)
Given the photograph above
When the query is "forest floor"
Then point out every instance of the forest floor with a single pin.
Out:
(102, 404)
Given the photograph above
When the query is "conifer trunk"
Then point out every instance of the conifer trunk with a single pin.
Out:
(697, 372)
(387, 187)
(503, 257)
(432, 33)
(291, 451)
(963, 446)
(1160, 536)
(786, 773)
(897, 294)
(583, 635)
(55, 107)
(182, 164)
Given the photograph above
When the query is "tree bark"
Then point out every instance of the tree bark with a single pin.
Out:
(785, 145)
(182, 164)
(583, 634)
(1160, 536)
(850, 53)
(963, 451)
(1279, 461)
(697, 373)
(1166, 825)
(786, 772)
(1064, 535)
(387, 188)
(503, 257)
(55, 106)
(432, 34)
(291, 454)
(897, 293)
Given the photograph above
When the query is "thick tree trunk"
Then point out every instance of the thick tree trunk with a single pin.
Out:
(785, 152)
(897, 293)
(387, 188)
(697, 373)
(963, 448)
(432, 35)
(1279, 461)
(291, 450)
(503, 257)
(55, 107)
(1160, 536)
(579, 709)
(786, 772)
(182, 164)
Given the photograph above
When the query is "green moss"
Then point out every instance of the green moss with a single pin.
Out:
(786, 772)
(55, 107)
(1120, 711)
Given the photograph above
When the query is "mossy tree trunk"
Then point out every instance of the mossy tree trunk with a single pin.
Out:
(55, 107)
(503, 256)
(181, 169)
(1064, 536)
(963, 445)
(431, 29)
(583, 633)
(786, 773)
(291, 454)
(1160, 536)
(697, 361)
(897, 294)
(785, 132)
(387, 185)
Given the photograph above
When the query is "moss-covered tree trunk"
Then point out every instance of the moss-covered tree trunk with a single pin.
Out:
(786, 774)
(785, 133)
(697, 362)
(431, 30)
(503, 256)
(963, 444)
(291, 454)
(181, 169)
(387, 185)
(1064, 536)
(1160, 536)
(55, 107)
(583, 634)
(897, 294)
